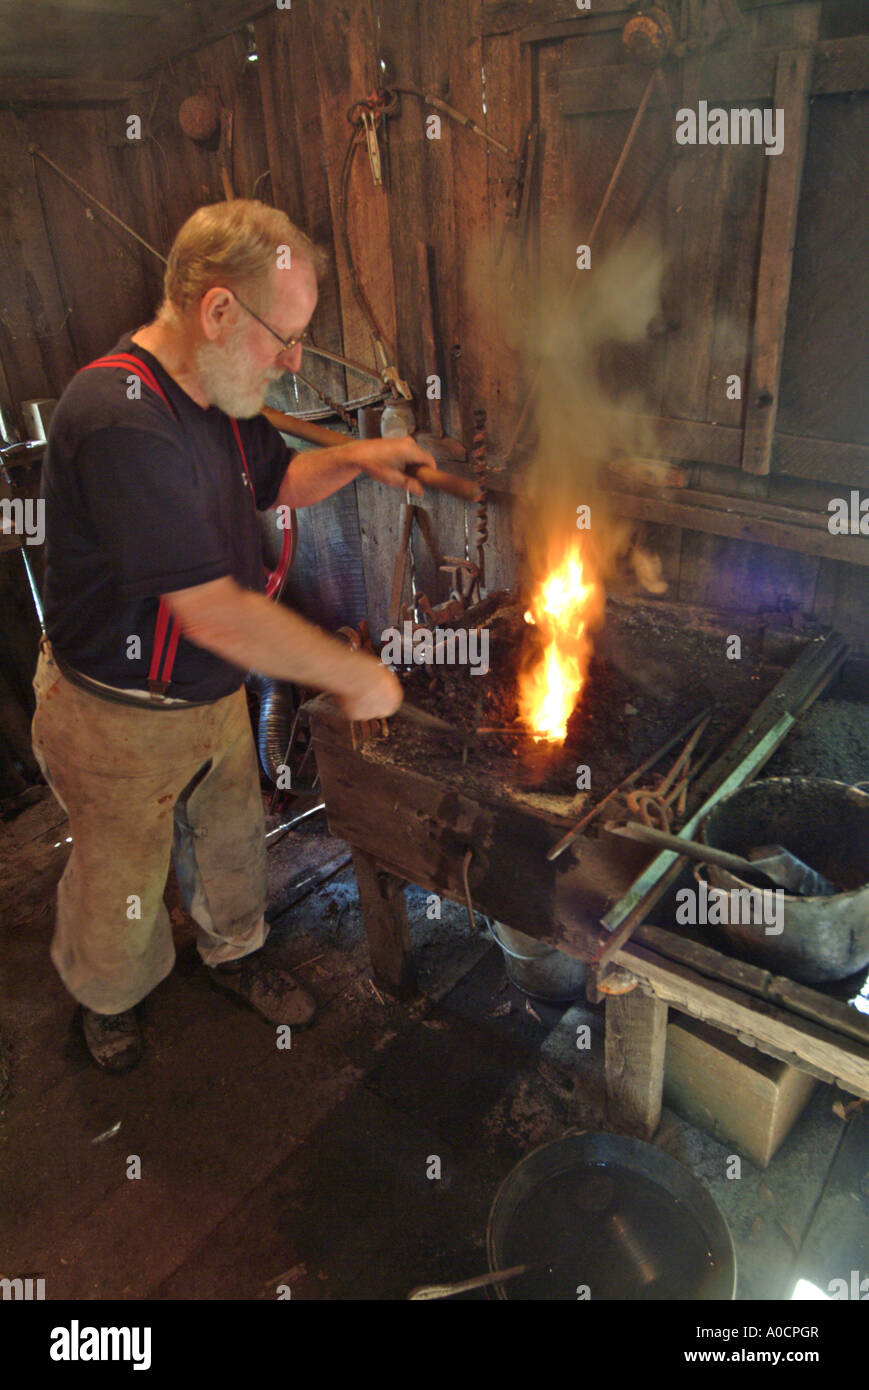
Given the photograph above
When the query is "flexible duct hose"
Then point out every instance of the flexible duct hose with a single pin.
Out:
(276, 713)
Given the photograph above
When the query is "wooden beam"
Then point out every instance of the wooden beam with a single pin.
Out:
(698, 441)
(385, 915)
(574, 28)
(784, 178)
(754, 979)
(635, 1044)
(66, 91)
(744, 519)
(824, 460)
(799, 1041)
(505, 16)
(841, 65)
(802, 456)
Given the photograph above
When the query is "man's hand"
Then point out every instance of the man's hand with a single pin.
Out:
(385, 460)
(376, 693)
(254, 634)
(316, 473)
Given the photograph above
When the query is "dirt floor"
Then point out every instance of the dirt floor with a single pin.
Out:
(311, 1168)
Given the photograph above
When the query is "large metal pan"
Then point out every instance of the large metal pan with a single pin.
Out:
(603, 1217)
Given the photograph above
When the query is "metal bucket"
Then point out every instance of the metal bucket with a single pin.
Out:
(615, 1216)
(826, 824)
(538, 969)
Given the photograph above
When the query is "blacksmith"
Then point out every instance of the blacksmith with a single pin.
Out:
(155, 607)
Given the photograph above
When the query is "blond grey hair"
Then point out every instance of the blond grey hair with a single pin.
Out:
(235, 244)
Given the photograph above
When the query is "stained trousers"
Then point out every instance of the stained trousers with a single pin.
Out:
(139, 786)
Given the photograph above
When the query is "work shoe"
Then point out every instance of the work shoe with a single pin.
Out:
(114, 1040)
(268, 988)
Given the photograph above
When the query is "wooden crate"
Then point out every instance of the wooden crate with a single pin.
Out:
(737, 1094)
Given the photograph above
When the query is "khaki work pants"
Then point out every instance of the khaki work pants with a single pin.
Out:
(139, 785)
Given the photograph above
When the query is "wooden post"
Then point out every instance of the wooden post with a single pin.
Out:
(791, 95)
(385, 917)
(635, 1043)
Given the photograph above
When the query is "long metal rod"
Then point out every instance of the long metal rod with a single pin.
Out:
(31, 577)
(316, 804)
(810, 674)
(440, 105)
(343, 361)
(481, 1281)
(634, 903)
(306, 347)
(37, 153)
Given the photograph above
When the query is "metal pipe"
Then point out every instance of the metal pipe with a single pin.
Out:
(31, 578)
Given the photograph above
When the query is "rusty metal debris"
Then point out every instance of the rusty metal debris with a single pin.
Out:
(671, 791)
(628, 781)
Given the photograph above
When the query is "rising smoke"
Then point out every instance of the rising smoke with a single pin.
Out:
(586, 330)
(584, 416)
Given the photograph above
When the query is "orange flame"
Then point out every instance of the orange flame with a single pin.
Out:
(549, 690)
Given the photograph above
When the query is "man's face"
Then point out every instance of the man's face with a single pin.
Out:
(237, 366)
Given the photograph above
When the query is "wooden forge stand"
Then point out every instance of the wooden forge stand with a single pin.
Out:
(406, 826)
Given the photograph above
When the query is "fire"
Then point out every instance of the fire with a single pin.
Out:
(560, 608)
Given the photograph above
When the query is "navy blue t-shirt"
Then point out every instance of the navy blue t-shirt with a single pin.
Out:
(139, 502)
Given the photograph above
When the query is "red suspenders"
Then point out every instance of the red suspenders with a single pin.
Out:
(168, 631)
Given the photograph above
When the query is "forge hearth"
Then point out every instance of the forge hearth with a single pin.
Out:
(653, 669)
(479, 831)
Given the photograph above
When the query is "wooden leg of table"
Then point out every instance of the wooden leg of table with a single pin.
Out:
(635, 1043)
(385, 916)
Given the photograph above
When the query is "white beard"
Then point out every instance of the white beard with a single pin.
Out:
(227, 378)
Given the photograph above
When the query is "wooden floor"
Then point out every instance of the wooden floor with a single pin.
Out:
(308, 1167)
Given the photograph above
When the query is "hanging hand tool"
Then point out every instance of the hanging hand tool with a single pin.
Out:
(369, 125)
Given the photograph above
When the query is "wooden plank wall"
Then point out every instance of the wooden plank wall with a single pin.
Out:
(712, 229)
(70, 282)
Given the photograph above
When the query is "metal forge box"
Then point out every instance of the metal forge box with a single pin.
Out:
(480, 831)
(477, 830)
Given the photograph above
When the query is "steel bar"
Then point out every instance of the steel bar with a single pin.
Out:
(427, 721)
(657, 877)
(309, 804)
(481, 1281)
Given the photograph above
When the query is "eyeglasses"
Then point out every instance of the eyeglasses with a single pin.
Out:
(287, 344)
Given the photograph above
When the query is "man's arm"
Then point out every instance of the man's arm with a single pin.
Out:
(316, 473)
(255, 634)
